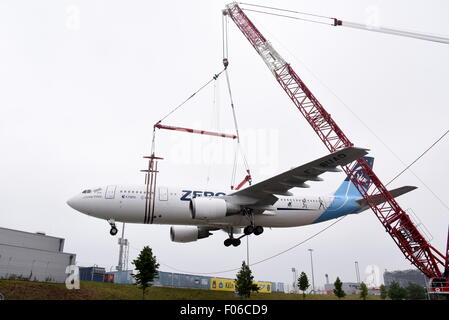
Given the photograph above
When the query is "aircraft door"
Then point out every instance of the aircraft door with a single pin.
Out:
(110, 192)
(163, 194)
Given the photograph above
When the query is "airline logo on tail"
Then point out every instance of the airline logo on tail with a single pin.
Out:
(348, 189)
(360, 175)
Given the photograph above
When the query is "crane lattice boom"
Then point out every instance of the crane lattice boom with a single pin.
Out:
(394, 219)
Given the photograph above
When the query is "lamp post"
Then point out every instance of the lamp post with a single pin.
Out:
(295, 279)
(311, 263)
(357, 272)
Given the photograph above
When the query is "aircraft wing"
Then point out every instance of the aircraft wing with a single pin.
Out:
(264, 193)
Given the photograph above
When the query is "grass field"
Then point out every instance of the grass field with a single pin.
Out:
(27, 290)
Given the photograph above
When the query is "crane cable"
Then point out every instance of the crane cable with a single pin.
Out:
(420, 156)
(337, 22)
(153, 140)
(285, 10)
(238, 149)
(358, 118)
(290, 17)
(215, 123)
(215, 77)
(260, 261)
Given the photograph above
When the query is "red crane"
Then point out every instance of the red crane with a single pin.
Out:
(395, 220)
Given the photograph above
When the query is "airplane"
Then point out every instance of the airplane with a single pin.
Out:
(195, 214)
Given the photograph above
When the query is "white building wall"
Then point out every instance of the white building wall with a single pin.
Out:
(32, 256)
(35, 265)
(31, 240)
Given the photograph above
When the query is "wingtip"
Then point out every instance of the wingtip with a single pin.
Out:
(364, 150)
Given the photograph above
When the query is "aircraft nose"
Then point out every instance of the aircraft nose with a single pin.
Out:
(73, 202)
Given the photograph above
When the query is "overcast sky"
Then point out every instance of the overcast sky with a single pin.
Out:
(83, 82)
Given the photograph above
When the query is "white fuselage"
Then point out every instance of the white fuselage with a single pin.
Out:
(171, 206)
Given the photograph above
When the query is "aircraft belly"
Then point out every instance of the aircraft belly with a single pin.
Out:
(291, 218)
(131, 210)
(176, 213)
(280, 220)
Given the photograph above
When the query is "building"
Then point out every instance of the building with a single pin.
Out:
(179, 280)
(404, 277)
(278, 287)
(94, 273)
(348, 287)
(33, 256)
(121, 277)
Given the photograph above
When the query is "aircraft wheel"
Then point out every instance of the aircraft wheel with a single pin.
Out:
(258, 230)
(248, 230)
(228, 242)
(236, 242)
(113, 231)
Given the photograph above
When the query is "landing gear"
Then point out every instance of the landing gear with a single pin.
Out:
(231, 240)
(252, 228)
(248, 230)
(114, 229)
(258, 230)
(234, 241)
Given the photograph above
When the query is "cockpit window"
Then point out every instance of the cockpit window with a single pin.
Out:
(87, 191)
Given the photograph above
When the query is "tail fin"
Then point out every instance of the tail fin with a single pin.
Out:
(348, 189)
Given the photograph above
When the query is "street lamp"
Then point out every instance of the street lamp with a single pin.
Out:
(311, 263)
(357, 271)
(295, 279)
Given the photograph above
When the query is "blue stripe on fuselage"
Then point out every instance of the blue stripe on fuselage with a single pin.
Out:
(339, 207)
(293, 209)
(345, 196)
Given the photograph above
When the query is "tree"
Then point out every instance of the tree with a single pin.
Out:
(383, 292)
(415, 292)
(303, 284)
(146, 266)
(396, 292)
(244, 282)
(338, 291)
(363, 291)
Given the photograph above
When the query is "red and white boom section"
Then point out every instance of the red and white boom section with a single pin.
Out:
(394, 219)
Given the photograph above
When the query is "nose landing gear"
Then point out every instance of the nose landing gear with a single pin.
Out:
(114, 229)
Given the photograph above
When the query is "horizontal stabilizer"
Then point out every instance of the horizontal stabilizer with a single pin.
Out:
(378, 198)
